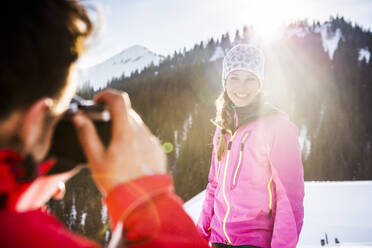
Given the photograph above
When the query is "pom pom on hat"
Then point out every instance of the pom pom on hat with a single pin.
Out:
(246, 58)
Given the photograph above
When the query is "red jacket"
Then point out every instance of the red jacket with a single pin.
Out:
(144, 212)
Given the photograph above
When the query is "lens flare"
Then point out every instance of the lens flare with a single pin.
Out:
(168, 147)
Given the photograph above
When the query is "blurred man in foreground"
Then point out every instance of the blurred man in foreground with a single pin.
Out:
(41, 41)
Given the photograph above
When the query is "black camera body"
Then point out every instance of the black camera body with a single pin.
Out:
(65, 146)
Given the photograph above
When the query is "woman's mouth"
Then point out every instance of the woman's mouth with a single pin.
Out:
(241, 95)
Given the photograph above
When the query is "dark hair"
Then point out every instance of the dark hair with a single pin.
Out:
(40, 41)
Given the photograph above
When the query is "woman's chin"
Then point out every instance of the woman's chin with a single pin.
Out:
(241, 102)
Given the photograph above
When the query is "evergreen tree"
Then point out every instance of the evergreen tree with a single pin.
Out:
(237, 39)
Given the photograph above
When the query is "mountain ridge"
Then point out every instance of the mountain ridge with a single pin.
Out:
(129, 60)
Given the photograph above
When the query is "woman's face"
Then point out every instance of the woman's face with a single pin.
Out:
(242, 87)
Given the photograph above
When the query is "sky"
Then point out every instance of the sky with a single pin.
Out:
(165, 26)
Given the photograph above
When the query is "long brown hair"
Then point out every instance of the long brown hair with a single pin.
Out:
(224, 117)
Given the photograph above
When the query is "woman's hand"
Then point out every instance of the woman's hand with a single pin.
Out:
(132, 152)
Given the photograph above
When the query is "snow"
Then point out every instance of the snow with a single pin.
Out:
(344, 245)
(218, 54)
(300, 32)
(83, 218)
(176, 144)
(339, 209)
(73, 213)
(329, 39)
(186, 126)
(322, 111)
(194, 206)
(321, 118)
(304, 141)
(126, 62)
(365, 54)
(104, 214)
(107, 235)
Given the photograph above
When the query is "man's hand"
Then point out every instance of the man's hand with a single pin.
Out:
(132, 152)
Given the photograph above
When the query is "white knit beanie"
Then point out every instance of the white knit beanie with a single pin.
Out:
(246, 58)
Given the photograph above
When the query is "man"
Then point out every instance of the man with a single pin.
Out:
(41, 40)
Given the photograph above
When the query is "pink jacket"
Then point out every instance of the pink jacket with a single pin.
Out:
(255, 194)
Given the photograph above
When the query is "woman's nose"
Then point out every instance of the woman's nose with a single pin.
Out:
(240, 82)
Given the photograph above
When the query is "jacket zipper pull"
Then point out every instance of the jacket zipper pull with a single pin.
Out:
(271, 213)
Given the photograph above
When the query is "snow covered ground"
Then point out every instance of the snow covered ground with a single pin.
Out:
(339, 210)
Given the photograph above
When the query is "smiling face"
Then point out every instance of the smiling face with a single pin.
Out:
(242, 87)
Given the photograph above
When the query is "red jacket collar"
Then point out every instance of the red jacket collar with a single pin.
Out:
(16, 175)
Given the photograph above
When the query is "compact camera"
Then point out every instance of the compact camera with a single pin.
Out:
(65, 146)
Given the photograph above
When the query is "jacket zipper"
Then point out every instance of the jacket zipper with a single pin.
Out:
(270, 197)
(224, 183)
(240, 157)
(224, 178)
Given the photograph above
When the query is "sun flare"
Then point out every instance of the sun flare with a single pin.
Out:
(267, 17)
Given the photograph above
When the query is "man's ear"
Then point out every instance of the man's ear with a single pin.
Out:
(34, 128)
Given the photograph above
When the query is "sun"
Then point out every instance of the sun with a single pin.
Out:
(267, 31)
(267, 17)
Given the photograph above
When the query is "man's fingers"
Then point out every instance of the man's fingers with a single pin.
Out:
(118, 104)
(89, 139)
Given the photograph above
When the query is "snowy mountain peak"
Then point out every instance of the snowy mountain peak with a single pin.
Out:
(133, 51)
(124, 63)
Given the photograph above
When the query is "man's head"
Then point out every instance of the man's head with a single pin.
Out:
(40, 42)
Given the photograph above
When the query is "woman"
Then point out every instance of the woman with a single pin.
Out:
(256, 188)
